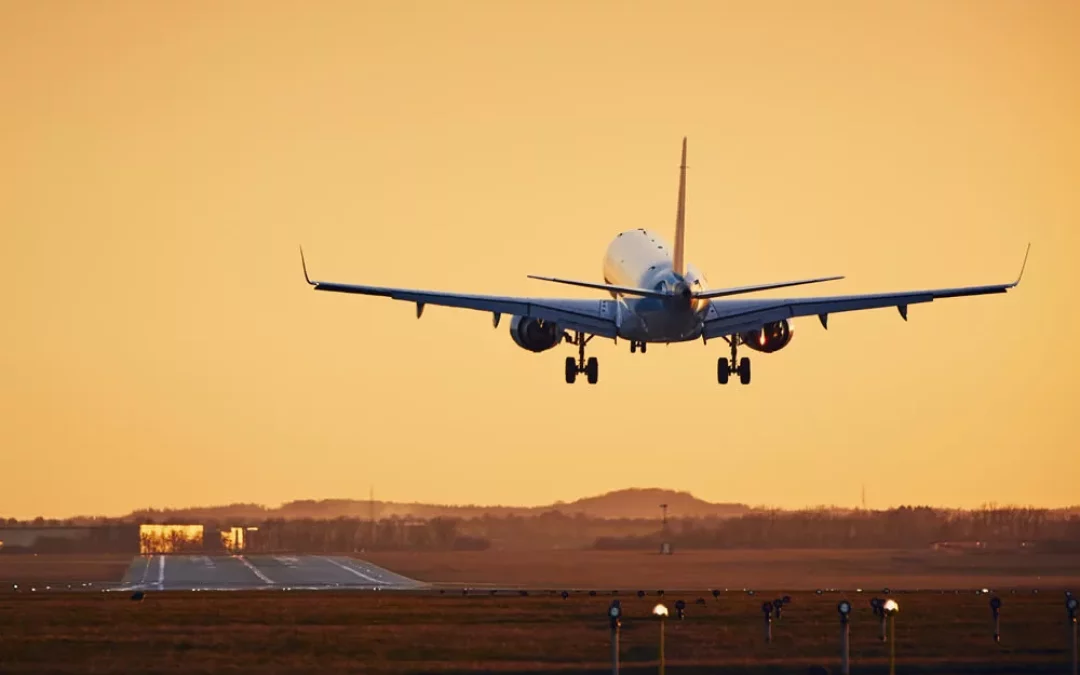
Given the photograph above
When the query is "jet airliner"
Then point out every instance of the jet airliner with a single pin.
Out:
(656, 297)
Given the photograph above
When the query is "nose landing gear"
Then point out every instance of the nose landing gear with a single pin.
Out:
(726, 368)
(590, 367)
(635, 346)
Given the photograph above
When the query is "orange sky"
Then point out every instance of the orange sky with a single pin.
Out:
(161, 163)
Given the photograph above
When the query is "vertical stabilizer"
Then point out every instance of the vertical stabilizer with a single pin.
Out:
(680, 216)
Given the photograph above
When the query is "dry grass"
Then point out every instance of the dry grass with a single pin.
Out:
(62, 569)
(787, 569)
(795, 570)
(397, 633)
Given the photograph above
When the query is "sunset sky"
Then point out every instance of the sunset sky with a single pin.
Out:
(161, 162)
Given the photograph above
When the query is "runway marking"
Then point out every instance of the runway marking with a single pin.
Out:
(254, 569)
(160, 570)
(353, 570)
(146, 569)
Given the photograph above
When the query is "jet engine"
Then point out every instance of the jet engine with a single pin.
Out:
(534, 334)
(769, 338)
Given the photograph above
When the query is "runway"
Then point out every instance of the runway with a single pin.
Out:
(259, 572)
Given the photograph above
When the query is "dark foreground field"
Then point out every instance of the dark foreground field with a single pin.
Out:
(288, 632)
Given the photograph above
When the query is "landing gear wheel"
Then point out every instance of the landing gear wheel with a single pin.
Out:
(592, 370)
(744, 370)
(643, 346)
(579, 365)
(633, 346)
(722, 370)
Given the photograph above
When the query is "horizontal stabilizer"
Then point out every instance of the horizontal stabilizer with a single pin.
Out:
(625, 290)
(723, 292)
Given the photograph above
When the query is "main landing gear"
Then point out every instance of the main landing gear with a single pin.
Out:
(590, 367)
(726, 368)
(638, 346)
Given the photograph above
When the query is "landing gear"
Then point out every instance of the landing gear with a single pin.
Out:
(590, 367)
(635, 346)
(592, 370)
(726, 368)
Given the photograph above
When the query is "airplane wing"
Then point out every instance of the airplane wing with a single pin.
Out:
(730, 317)
(595, 317)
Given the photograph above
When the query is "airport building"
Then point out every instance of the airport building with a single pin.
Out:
(128, 538)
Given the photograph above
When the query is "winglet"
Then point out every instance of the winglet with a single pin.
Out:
(303, 264)
(1022, 266)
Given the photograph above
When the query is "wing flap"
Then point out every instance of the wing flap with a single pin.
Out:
(729, 317)
(596, 317)
(737, 316)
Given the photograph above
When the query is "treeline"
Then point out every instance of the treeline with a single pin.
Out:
(904, 527)
(355, 534)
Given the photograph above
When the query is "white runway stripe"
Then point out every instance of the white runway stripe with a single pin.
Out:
(146, 569)
(255, 570)
(353, 570)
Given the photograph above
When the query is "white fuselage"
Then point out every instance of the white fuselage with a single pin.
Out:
(642, 259)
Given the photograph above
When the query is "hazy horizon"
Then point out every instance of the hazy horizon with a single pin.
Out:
(163, 161)
(673, 513)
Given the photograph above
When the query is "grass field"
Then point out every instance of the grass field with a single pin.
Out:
(61, 569)
(784, 569)
(777, 569)
(279, 632)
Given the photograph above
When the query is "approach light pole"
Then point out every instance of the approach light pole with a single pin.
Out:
(877, 604)
(889, 610)
(766, 609)
(995, 609)
(663, 520)
(660, 612)
(615, 617)
(1071, 605)
(845, 636)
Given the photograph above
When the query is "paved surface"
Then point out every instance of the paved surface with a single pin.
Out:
(241, 572)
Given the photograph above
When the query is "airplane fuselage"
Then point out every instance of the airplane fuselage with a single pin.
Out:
(643, 259)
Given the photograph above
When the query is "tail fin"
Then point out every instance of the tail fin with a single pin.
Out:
(680, 215)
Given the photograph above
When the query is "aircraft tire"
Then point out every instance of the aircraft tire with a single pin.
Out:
(722, 370)
(744, 370)
(592, 370)
(571, 370)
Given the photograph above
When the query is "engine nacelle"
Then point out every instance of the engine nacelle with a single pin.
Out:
(534, 334)
(769, 338)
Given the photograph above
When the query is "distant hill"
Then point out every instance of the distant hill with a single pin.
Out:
(635, 503)
(645, 503)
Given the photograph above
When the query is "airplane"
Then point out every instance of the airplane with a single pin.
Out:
(657, 297)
